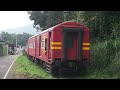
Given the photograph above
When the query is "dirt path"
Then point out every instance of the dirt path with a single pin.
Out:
(5, 63)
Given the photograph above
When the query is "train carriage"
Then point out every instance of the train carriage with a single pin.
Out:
(64, 47)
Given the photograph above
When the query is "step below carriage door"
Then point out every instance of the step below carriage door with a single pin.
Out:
(72, 44)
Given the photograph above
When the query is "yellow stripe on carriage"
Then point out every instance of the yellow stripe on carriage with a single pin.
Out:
(86, 44)
(55, 47)
(56, 43)
(86, 48)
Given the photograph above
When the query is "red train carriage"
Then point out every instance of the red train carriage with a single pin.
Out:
(31, 46)
(63, 47)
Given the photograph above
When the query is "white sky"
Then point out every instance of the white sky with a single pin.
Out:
(13, 19)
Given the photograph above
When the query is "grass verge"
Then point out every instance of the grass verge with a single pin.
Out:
(30, 69)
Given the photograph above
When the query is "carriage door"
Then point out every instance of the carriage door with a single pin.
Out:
(49, 45)
(72, 44)
(40, 45)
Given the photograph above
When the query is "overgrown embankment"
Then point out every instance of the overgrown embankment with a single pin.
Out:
(104, 63)
(105, 60)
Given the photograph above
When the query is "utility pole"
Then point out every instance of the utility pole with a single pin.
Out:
(16, 41)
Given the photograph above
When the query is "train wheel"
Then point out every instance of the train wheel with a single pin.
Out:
(43, 65)
(28, 57)
(36, 61)
(80, 68)
(33, 59)
(54, 70)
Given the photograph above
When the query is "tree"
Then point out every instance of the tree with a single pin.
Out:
(103, 24)
(8, 38)
(11, 38)
(69, 16)
(46, 19)
(22, 38)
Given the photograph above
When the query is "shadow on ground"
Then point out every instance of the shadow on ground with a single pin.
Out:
(81, 75)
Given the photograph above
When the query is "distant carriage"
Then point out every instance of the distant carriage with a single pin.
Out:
(12, 49)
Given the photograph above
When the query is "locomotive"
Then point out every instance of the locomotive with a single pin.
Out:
(62, 48)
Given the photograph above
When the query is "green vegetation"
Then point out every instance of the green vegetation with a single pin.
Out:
(104, 35)
(105, 60)
(104, 64)
(103, 24)
(33, 71)
(45, 19)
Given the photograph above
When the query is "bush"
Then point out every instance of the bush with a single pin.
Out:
(104, 60)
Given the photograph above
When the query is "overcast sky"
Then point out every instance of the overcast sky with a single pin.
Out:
(13, 19)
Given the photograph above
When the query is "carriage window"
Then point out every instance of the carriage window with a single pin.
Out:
(45, 44)
(42, 44)
(34, 45)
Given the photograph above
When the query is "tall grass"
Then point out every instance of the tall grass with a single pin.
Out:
(105, 59)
